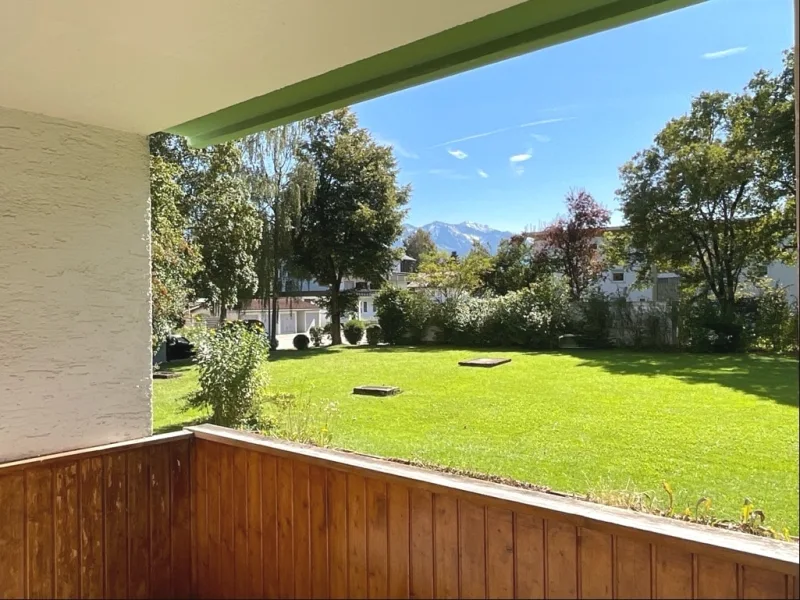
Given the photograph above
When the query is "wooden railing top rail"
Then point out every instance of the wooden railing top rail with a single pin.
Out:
(738, 547)
(85, 453)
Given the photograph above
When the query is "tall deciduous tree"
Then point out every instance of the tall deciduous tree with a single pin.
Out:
(571, 242)
(452, 276)
(709, 199)
(515, 266)
(175, 261)
(418, 244)
(228, 230)
(355, 215)
(278, 186)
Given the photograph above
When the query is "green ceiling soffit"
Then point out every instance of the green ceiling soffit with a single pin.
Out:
(516, 30)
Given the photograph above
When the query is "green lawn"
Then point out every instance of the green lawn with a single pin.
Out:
(718, 426)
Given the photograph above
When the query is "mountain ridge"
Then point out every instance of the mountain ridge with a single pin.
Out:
(458, 237)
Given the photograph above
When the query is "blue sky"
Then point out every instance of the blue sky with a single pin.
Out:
(569, 115)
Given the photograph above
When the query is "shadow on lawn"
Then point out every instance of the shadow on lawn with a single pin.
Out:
(277, 355)
(770, 378)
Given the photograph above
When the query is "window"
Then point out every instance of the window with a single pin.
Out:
(361, 285)
(365, 307)
(618, 276)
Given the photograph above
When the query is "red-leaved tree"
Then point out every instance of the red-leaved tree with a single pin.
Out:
(571, 242)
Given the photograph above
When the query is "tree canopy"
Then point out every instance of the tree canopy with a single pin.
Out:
(571, 242)
(711, 199)
(355, 214)
(418, 244)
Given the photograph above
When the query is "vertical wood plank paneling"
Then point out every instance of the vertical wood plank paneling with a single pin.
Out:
(226, 513)
(500, 553)
(398, 549)
(67, 534)
(356, 536)
(377, 540)
(673, 573)
(39, 532)
(116, 527)
(596, 564)
(269, 525)
(138, 524)
(255, 579)
(421, 563)
(241, 572)
(562, 555)
(529, 556)
(91, 512)
(445, 546)
(301, 511)
(337, 533)
(285, 530)
(181, 519)
(202, 538)
(758, 583)
(213, 454)
(12, 536)
(319, 532)
(160, 566)
(796, 587)
(472, 549)
(715, 578)
(632, 567)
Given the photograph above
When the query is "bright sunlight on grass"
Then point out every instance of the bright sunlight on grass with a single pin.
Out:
(711, 425)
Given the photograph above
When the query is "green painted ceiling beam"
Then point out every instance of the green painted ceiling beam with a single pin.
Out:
(528, 26)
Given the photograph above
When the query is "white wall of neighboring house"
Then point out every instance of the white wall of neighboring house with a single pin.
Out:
(74, 250)
(785, 276)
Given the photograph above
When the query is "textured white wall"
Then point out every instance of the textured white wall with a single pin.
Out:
(74, 260)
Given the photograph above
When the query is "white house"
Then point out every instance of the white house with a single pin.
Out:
(295, 315)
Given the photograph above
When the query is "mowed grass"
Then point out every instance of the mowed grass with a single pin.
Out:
(724, 427)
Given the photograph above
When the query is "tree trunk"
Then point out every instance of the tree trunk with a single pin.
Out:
(223, 311)
(336, 317)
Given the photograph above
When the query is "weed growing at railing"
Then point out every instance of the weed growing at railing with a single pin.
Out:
(751, 520)
(295, 419)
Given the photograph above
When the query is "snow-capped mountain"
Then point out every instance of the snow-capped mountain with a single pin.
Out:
(459, 237)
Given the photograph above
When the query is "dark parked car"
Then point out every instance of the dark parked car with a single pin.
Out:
(178, 347)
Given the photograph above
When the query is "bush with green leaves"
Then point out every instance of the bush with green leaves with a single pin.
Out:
(232, 374)
(353, 331)
(533, 317)
(775, 323)
(373, 334)
(300, 341)
(317, 334)
(390, 307)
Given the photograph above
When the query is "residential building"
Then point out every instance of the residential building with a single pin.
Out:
(295, 315)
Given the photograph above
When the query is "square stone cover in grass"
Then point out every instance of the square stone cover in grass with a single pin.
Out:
(376, 390)
(483, 362)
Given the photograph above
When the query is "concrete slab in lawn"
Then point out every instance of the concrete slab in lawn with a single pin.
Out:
(483, 362)
(376, 390)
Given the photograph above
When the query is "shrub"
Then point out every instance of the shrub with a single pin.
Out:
(316, 334)
(233, 379)
(373, 334)
(391, 315)
(595, 321)
(353, 331)
(300, 341)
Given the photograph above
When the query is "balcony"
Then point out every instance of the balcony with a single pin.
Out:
(215, 513)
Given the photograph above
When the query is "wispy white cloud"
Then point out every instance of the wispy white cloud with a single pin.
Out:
(518, 169)
(540, 138)
(518, 158)
(482, 174)
(724, 53)
(447, 174)
(484, 134)
(457, 153)
(398, 148)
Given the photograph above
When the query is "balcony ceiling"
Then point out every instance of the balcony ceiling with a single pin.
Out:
(216, 70)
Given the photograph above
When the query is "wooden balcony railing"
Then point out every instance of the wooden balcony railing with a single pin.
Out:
(216, 513)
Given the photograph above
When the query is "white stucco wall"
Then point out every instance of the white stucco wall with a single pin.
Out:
(74, 286)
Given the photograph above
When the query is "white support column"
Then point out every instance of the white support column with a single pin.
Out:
(75, 362)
